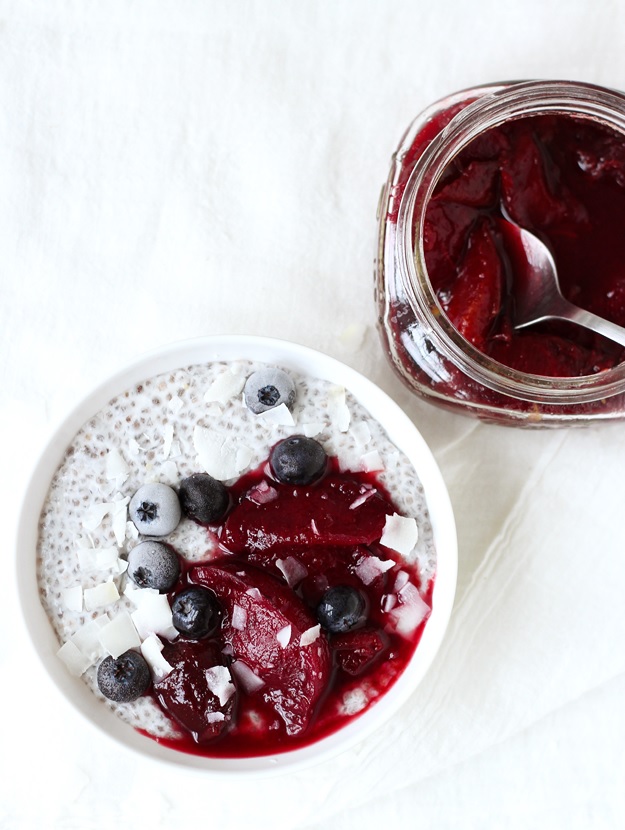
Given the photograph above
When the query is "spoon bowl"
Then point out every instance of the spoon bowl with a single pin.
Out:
(538, 296)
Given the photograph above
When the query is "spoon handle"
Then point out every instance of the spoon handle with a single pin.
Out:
(568, 311)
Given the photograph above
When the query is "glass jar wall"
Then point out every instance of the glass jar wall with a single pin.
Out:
(551, 157)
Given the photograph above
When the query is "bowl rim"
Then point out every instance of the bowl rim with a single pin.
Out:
(402, 432)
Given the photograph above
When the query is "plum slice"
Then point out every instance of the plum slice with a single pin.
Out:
(532, 190)
(356, 651)
(477, 293)
(476, 186)
(542, 354)
(335, 512)
(308, 563)
(198, 693)
(263, 625)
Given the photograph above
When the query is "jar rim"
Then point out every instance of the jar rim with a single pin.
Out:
(495, 104)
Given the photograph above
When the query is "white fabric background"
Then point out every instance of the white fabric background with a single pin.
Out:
(176, 168)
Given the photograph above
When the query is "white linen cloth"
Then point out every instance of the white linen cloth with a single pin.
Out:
(178, 168)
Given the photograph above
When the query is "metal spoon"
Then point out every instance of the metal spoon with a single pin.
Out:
(539, 297)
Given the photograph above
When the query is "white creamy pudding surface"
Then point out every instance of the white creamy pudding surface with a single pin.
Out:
(162, 430)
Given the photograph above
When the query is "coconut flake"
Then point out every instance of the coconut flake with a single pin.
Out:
(248, 679)
(226, 386)
(354, 701)
(292, 570)
(133, 448)
(119, 635)
(284, 636)
(138, 595)
(176, 450)
(116, 468)
(361, 433)
(401, 579)
(175, 404)
(103, 594)
(168, 473)
(278, 415)
(410, 612)
(254, 593)
(263, 493)
(337, 408)
(362, 499)
(369, 568)
(310, 635)
(400, 534)
(97, 559)
(214, 717)
(131, 531)
(151, 649)
(243, 456)
(77, 663)
(313, 429)
(72, 598)
(392, 459)
(388, 601)
(219, 682)
(221, 456)
(153, 616)
(168, 438)
(94, 515)
(238, 618)
(119, 520)
(87, 638)
(371, 462)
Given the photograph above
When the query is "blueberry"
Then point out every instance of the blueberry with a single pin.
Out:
(342, 608)
(155, 510)
(203, 498)
(267, 389)
(298, 460)
(154, 564)
(124, 678)
(196, 613)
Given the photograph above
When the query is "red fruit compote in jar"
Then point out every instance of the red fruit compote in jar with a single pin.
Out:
(550, 156)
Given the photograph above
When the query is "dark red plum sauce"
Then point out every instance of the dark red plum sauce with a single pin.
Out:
(562, 178)
(546, 156)
(272, 564)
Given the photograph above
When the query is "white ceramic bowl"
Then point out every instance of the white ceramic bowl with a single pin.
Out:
(404, 435)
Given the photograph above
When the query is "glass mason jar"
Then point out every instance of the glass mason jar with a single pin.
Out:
(428, 352)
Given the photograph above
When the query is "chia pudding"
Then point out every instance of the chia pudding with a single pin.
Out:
(284, 665)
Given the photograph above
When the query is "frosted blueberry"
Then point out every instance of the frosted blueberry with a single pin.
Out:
(268, 388)
(155, 510)
(154, 564)
(124, 678)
